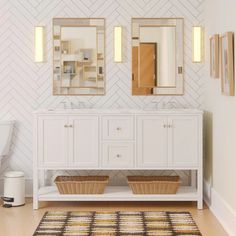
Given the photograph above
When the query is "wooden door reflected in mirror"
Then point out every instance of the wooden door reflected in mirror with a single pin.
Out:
(157, 56)
(147, 65)
(136, 89)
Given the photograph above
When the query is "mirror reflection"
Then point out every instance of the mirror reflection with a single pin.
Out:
(78, 57)
(159, 41)
(157, 62)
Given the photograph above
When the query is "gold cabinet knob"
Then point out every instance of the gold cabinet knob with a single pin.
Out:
(118, 128)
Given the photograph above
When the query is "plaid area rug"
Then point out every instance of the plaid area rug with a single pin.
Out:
(147, 223)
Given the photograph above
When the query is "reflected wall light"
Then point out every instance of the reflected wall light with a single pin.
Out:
(117, 43)
(197, 44)
(39, 44)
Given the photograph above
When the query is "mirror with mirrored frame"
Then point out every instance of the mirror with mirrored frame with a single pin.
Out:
(78, 56)
(157, 56)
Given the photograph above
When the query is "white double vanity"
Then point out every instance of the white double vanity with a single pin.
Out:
(96, 139)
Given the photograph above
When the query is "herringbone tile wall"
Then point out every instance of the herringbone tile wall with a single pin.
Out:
(26, 86)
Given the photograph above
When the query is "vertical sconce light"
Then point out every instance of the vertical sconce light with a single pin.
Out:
(117, 43)
(197, 44)
(39, 44)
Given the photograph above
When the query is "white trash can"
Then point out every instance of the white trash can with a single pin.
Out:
(14, 189)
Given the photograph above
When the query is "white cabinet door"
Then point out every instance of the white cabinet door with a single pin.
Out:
(152, 141)
(83, 141)
(183, 135)
(52, 141)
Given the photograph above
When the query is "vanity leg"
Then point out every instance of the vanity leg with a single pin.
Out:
(35, 190)
(35, 204)
(200, 189)
(199, 204)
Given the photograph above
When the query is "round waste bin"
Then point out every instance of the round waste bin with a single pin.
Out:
(14, 189)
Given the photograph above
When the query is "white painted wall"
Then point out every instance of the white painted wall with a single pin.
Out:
(220, 163)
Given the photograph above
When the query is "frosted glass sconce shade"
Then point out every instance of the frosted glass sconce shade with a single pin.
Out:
(197, 44)
(118, 44)
(39, 44)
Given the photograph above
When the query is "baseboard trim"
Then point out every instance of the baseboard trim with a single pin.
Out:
(221, 209)
(28, 187)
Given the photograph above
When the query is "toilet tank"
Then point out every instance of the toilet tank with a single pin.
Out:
(6, 130)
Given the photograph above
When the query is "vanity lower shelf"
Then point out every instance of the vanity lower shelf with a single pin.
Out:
(118, 193)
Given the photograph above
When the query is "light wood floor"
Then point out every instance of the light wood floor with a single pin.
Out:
(22, 221)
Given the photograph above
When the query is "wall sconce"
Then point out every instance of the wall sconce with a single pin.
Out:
(197, 44)
(39, 44)
(117, 43)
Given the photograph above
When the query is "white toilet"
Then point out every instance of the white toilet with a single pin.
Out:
(6, 130)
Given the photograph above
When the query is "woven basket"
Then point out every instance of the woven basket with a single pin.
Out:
(154, 184)
(81, 184)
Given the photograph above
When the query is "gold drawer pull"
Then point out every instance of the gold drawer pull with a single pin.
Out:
(68, 126)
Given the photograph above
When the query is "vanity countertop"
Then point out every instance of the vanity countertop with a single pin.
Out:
(119, 111)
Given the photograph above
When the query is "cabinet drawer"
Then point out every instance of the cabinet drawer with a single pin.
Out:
(118, 155)
(118, 127)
